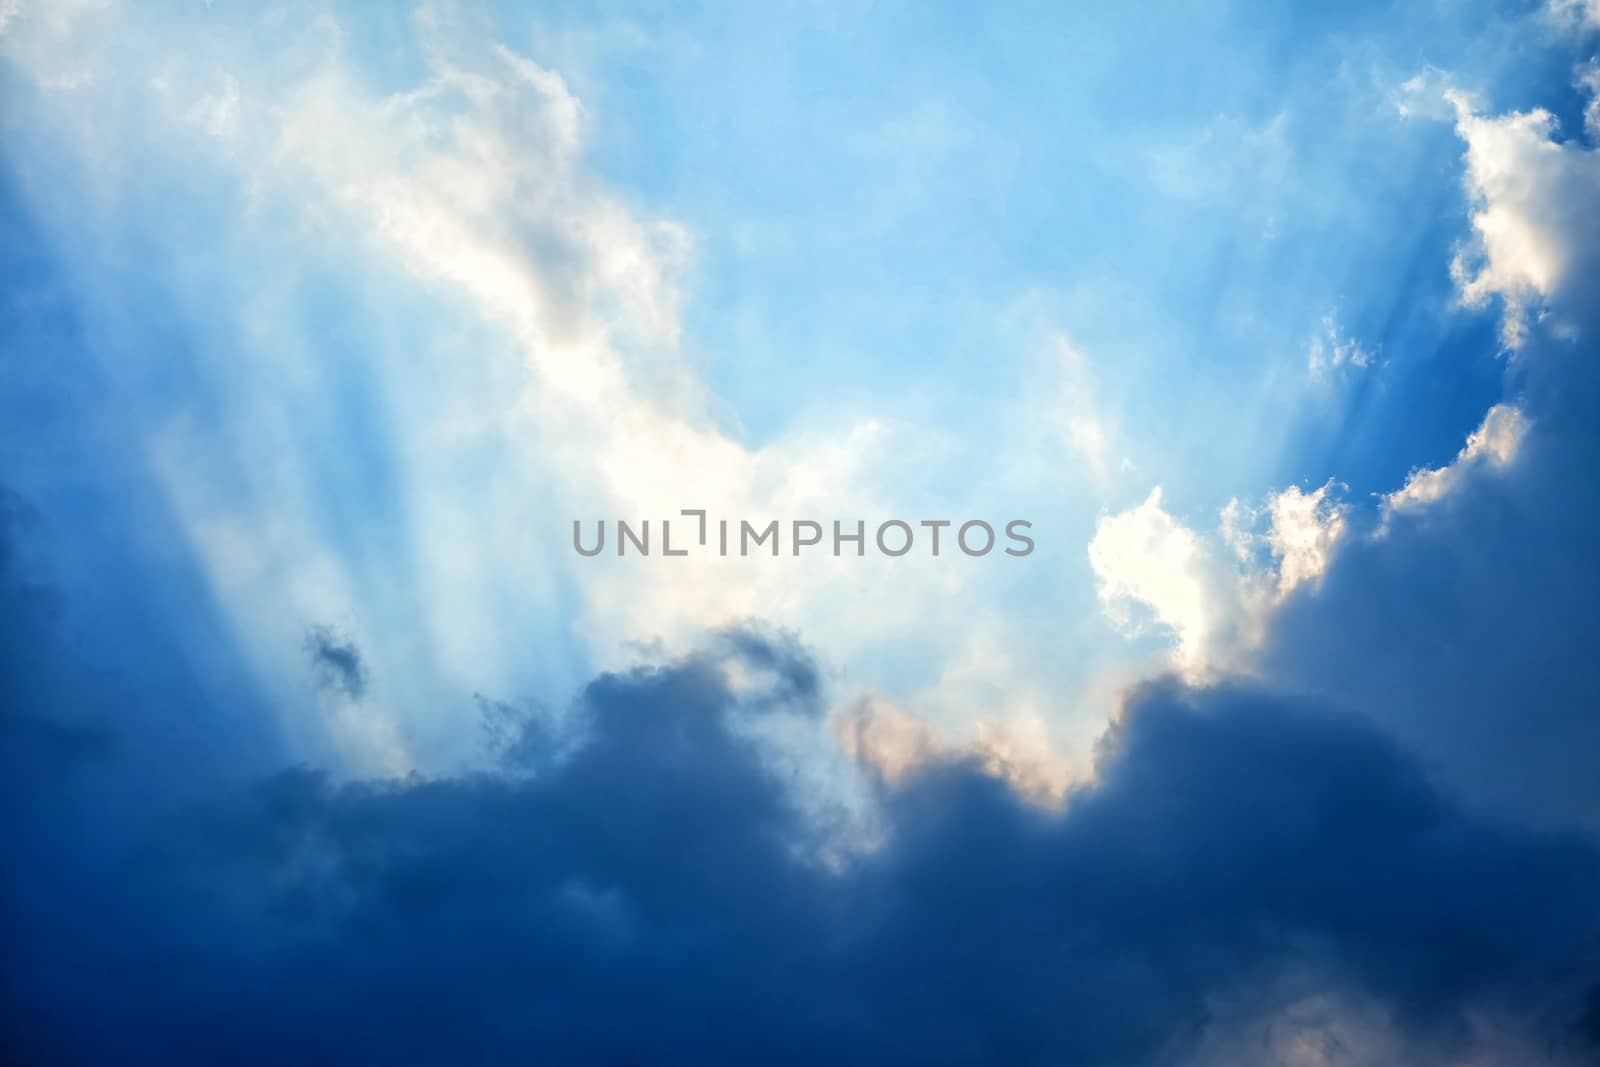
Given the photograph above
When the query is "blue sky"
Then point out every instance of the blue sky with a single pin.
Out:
(323, 322)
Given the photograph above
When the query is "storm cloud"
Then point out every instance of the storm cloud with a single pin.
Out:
(330, 321)
(1246, 870)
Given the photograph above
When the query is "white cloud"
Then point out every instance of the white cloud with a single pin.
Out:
(1332, 351)
(1304, 532)
(1077, 416)
(1588, 80)
(476, 181)
(468, 194)
(1213, 592)
(1534, 223)
(882, 736)
(1145, 556)
(1494, 444)
(1578, 15)
(1424, 95)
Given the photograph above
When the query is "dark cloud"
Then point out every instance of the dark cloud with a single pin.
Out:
(1468, 630)
(337, 662)
(1385, 856)
(657, 895)
(1256, 876)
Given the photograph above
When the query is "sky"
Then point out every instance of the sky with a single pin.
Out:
(324, 324)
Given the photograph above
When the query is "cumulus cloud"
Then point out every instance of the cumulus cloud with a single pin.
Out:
(1373, 852)
(1460, 626)
(1214, 591)
(893, 745)
(1493, 444)
(1305, 529)
(1535, 234)
(1244, 864)
(1461, 623)
(1535, 206)
(1455, 616)
(1145, 556)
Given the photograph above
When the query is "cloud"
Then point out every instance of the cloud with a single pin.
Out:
(337, 662)
(1332, 352)
(1587, 80)
(1460, 626)
(1535, 234)
(1578, 15)
(1535, 205)
(1078, 419)
(1493, 444)
(1146, 556)
(1214, 592)
(1385, 848)
(1305, 530)
(1454, 616)
(507, 354)
(894, 745)
(1245, 863)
